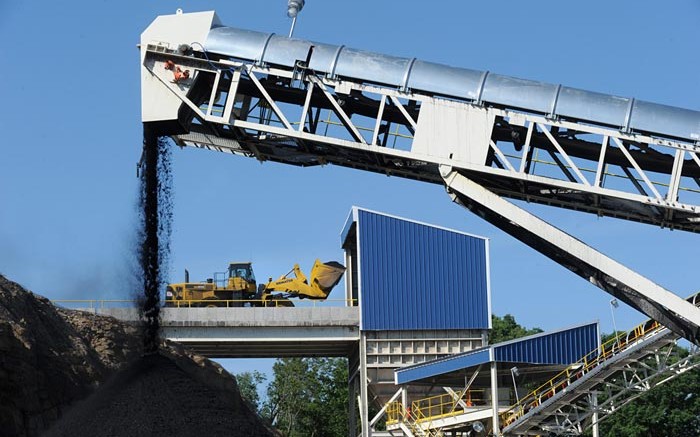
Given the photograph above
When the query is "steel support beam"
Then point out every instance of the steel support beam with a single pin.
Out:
(620, 381)
(614, 278)
(598, 169)
(364, 396)
(494, 399)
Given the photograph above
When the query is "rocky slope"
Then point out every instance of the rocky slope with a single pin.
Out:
(52, 358)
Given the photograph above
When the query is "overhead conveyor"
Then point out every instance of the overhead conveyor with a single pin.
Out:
(484, 136)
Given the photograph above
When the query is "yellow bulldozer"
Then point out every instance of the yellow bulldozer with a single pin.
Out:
(237, 287)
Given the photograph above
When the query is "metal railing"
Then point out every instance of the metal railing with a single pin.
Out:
(99, 304)
(445, 405)
(436, 407)
(271, 303)
(588, 362)
(394, 413)
(94, 304)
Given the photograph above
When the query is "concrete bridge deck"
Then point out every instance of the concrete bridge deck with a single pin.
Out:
(257, 332)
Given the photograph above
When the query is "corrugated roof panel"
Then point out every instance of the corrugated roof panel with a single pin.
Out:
(441, 366)
(561, 347)
(418, 276)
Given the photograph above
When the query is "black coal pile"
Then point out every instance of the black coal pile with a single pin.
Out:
(163, 394)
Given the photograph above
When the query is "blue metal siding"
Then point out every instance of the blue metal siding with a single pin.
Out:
(562, 347)
(415, 276)
(442, 366)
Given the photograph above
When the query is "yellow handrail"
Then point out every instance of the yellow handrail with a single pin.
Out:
(191, 303)
(446, 405)
(576, 370)
(232, 303)
(394, 413)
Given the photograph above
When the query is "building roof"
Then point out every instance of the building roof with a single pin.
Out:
(547, 350)
(353, 217)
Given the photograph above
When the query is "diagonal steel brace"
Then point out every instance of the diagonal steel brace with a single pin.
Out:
(641, 293)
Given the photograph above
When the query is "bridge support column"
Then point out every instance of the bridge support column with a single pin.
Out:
(404, 396)
(494, 399)
(594, 402)
(352, 404)
(364, 408)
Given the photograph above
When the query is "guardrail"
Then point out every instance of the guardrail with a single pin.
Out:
(445, 405)
(436, 407)
(588, 362)
(99, 304)
(239, 303)
(94, 304)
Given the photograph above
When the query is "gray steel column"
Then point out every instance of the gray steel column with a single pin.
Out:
(494, 399)
(364, 409)
(352, 406)
(594, 429)
(348, 278)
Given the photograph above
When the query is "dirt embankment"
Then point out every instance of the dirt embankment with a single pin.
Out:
(88, 371)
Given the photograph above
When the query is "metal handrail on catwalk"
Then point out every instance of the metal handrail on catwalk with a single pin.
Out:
(622, 369)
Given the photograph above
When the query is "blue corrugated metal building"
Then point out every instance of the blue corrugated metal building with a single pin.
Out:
(408, 275)
(424, 302)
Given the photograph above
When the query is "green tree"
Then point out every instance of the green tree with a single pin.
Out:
(288, 393)
(248, 383)
(334, 396)
(506, 328)
(308, 397)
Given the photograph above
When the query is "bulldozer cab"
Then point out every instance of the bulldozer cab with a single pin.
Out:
(241, 277)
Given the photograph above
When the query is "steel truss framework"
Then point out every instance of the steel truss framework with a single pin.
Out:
(608, 387)
(300, 118)
(296, 116)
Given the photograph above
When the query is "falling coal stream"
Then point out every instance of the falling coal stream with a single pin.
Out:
(156, 213)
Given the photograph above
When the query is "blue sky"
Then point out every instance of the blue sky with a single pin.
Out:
(72, 137)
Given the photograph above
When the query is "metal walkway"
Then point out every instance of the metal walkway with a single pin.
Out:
(588, 391)
(480, 135)
(602, 382)
(253, 332)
